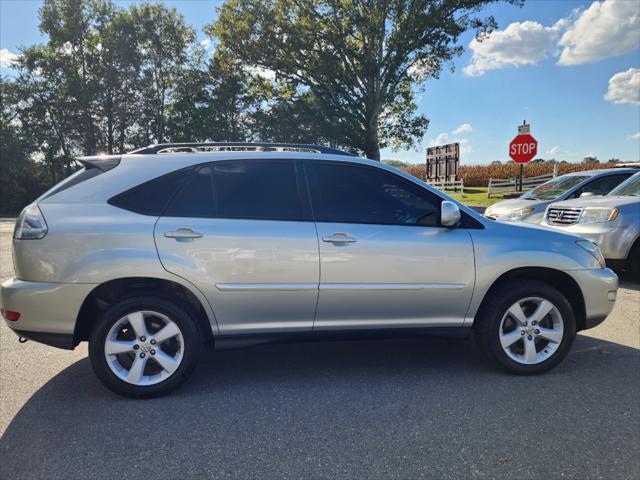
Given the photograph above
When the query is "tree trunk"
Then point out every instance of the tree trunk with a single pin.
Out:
(110, 126)
(372, 143)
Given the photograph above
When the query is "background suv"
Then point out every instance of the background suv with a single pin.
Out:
(612, 221)
(149, 254)
(531, 206)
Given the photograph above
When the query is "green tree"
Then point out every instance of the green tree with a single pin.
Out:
(20, 176)
(163, 41)
(589, 160)
(360, 59)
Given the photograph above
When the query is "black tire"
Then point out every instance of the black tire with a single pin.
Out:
(633, 261)
(487, 324)
(177, 313)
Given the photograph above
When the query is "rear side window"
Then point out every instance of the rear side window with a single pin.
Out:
(344, 193)
(603, 185)
(259, 190)
(151, 198)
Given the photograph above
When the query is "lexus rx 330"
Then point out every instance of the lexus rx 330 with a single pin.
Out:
(150, 255)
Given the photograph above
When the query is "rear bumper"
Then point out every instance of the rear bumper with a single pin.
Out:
(599, 288)
(48, 311)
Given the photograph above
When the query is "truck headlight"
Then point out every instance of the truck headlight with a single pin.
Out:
(594, 250)
(516, 214)
(598, 215)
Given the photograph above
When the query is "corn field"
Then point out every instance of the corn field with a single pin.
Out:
(478, 175)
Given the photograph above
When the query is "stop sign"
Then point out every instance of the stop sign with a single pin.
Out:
(523, 148)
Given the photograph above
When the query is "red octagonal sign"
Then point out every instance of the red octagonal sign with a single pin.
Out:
(523, 148)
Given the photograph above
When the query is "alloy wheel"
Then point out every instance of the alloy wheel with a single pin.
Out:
(144, 348)
(531, 330)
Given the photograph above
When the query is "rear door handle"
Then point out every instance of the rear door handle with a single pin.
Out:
(183, 234)
(339, 238)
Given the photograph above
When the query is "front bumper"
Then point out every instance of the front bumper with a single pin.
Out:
(611, 237)
(599, 288)
(48, 311)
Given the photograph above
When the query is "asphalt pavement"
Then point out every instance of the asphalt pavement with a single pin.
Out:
(409, 408)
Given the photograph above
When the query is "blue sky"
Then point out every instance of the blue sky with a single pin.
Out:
(570, 68)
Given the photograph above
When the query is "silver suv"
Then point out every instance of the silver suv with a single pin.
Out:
(149, 255)
(612, 221)
(531, 206)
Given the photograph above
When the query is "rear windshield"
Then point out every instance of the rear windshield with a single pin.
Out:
(554, 188)
(74, 179)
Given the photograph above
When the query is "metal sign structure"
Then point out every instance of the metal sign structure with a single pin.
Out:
(443, 162)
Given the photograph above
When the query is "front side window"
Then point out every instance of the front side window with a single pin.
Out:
(252, 189)
(347, 193)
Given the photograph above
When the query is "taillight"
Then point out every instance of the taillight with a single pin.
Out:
(11, 315)
(30, 224)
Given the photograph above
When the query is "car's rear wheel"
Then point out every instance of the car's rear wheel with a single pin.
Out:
(144, 346)
(526, 328)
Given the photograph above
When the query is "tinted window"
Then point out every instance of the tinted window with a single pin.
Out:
(150, 198)
(603, 185)
(555, 188)
(630, 187)
(262, 190)
(196, 198)
(358, 194)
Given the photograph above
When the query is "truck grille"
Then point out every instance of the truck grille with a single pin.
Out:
(563, 216)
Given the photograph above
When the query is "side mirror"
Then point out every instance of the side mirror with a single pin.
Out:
(586, 194)
(449, 214)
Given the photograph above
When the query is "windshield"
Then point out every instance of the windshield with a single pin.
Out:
(554, 188)
(630, 187)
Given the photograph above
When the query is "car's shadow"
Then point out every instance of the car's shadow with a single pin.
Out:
(628, 282)
(419, 407)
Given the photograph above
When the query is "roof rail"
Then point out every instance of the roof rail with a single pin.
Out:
(238, 147)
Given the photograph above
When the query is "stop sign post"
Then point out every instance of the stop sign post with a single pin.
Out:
(523, 148)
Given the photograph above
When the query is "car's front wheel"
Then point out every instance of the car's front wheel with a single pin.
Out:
(144, 346)
(526, 328)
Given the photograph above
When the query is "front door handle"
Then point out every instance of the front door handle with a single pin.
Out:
(339, 238)
(183, 234)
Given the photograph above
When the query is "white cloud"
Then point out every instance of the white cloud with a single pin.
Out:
(521, 43)
(265, 73)
(465, 146)
(556, 151)
(439, 140)
(624, 87)
(444, 138)
(7, 58)
(635, 136)
(605, 29)
(205, 43)
(464, 128)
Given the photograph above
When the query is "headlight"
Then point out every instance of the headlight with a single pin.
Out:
(516, 214)
(30, 224)
(594, 250)
(598, 215)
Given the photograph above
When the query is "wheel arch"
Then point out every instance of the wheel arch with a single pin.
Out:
(106, 294)
(556, 278)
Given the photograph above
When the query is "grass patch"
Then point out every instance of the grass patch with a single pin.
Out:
(474, 196)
